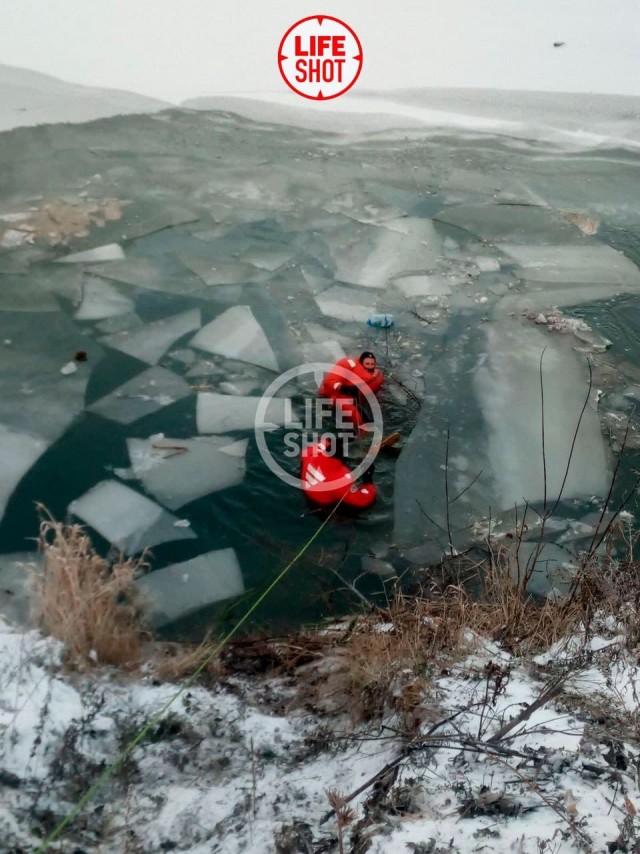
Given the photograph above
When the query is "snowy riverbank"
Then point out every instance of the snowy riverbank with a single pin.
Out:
(525, 755)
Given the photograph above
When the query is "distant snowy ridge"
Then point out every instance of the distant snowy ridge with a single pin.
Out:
(579, 119)
(30, 98)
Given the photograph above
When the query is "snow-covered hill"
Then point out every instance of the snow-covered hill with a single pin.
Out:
(30, 98)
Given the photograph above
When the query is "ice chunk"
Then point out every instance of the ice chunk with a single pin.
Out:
(373, 255)
(120, 323)
(183, 588)
(346, 303)
(236, 334)
(149, 274)
(223, 272)
(101, 300)
(266, 257)
(505, 384)
(176, 477)
(222, 413)
(417, 286)
(144, 394)
(525, 224)
(111, 252)
(19, 451)
(574, 264)
(151, 342)
(486, 264)
(128, 520)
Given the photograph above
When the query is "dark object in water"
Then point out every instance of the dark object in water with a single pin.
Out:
(80, 356)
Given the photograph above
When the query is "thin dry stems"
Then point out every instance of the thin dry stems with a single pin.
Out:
(91, 605)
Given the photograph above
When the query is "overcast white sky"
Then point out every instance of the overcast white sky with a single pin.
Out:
(177, 49)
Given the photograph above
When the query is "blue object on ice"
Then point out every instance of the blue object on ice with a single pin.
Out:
(380, 321)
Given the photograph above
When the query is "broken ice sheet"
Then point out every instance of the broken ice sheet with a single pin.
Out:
(111, 252)
(593, 263)
(372, 255)
(223, 272)
(523, 224)
(152, 341)
(35, 397)
(236, 334)
(176, 477)
(512, 412)
(266, 257)
(17, 293)
(222, 413)
(128, 520)
(346, 303)
(147, 393)
(183, 588)
(101, 300)
(423, 285)
(149, 274)
(19, 453)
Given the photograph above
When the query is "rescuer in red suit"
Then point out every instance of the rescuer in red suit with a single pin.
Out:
(326, 479)
(345, 393)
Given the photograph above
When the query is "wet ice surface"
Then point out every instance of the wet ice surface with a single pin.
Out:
(244, 248)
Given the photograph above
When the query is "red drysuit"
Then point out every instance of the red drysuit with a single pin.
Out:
(333, 383)
(326, 479)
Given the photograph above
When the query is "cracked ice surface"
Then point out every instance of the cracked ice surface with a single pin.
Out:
(127, 519)
(507, 386)
(223, 413)
(236, 334)
(147, 393)
(151, 342)
(371, 255)
(182, 588)
(101, 300)
(208, 464)
(19, 453)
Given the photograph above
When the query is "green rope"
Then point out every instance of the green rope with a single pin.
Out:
(135, 741)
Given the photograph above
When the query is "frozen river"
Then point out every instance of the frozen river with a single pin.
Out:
(158, 271)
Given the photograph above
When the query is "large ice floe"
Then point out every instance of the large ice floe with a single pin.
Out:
(177, 471)
(128, 520)
(186, 276)
(237, 334)
(182, 588)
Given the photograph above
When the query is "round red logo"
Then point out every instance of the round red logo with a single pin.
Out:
(320, 57)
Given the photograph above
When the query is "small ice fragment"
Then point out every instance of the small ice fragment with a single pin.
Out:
(111, 252)
(69, 368)
(486, 264)
(101, 300)
(236, 334)
(182, 523)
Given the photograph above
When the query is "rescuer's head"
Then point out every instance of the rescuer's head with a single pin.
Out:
(368, 361)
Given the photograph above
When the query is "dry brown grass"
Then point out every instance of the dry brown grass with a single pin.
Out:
(174, 662)
(382, 664)
(89, 604)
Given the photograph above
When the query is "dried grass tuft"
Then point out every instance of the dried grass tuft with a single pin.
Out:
(91, 605)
